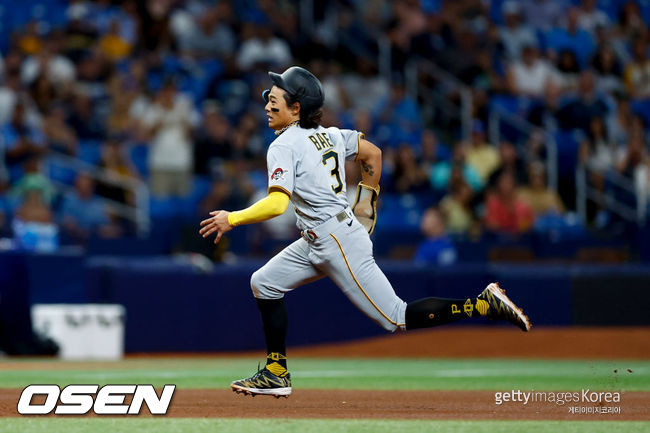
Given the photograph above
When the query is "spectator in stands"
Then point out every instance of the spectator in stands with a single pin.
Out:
(34, 208)
(597, 151)
(33, 180)
(568, 71)
(481, 155)
(368, 87)
(61, 137)
(570, 37)
(441, 172)
(505, 211)
(408, 176)
(634, 164)
(43, 93)
(590, 17)
(213, 140)
(543, 14)
(608, 70)
(261, 48)
(637, 72)
(204, 35)
(21, 141)
(630, 23)
(115, 162)
(436, 249)
(169, 121)
(540, 198)
(515, 35)
(530, 76)
(113, 44)
(508, 161)
(48, 60)
(82, 214)
(399, 117)
(456, 206)
(84, 118)
(584, 106)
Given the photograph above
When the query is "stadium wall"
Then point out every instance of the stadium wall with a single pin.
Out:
(174, 306)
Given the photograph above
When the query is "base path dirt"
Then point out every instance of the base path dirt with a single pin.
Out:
(453, 405)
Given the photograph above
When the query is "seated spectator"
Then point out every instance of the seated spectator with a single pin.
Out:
(58, 68)
(62, 137)
(441, 172)
(541, 199)
(169, 121)
(481, 155)
(21, 141)
(542, 14)
(608, 70)
(204, 35)
(505, 212)
(84, 118)
(115, 162)
(570, 37)
(568, 70)
(437, 248)
(82, 214)
(578, 111)
(637, 72)
(590, 17)
(398, 116)
(515, 35)
(113, 45)
(33, 226)
(213, 140)
(530, 76)
(33, 180)
(597, 152)
(456, 206)
(408, 176)
(261, 48)
(509, 161)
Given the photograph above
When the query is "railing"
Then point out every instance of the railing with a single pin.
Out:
(139, 213)
(498, 115)
(585, 192)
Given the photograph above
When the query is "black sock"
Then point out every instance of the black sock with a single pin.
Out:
(428, 312)
(274, 321)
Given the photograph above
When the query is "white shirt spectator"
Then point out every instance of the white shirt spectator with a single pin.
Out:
(171, 146)
(367, 91)
(273, 51)
(532, 80)
(60, 70)
(588, 20)
(514, 39)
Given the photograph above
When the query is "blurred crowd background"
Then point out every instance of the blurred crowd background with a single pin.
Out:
(511, 130)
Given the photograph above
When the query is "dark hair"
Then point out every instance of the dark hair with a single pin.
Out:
(308, 119)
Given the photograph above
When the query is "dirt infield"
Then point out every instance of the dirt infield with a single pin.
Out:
(456, 405)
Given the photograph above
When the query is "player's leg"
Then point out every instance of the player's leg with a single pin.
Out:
(283, 273)
(351, 265)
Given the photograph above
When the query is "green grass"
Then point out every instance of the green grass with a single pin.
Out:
(411, 374)
(180, 425)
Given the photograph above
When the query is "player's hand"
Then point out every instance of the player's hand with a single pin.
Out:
(217, 223)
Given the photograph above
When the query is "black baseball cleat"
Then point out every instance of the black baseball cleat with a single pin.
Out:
(264, 383)
(502, 308)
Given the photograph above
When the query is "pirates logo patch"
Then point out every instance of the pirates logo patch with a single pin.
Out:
(278, 174)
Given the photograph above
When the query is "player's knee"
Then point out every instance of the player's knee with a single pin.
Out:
(389, 326)
(261, 287)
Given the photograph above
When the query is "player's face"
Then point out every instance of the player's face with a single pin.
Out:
(279, 114)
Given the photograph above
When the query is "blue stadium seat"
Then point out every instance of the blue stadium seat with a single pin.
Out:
(90, 151)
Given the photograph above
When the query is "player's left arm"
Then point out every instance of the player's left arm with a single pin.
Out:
(365, 204)
(223, 221)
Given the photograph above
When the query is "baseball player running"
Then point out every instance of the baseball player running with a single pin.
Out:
(306, 166)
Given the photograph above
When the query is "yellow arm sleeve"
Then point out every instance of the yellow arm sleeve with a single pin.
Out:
(270, 206)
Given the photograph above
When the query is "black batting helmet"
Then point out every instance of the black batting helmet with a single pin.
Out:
(301, 84)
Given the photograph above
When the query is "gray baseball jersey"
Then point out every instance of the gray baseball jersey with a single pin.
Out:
(308, 164)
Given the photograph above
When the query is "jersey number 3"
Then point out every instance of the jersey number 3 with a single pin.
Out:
(335, 171)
